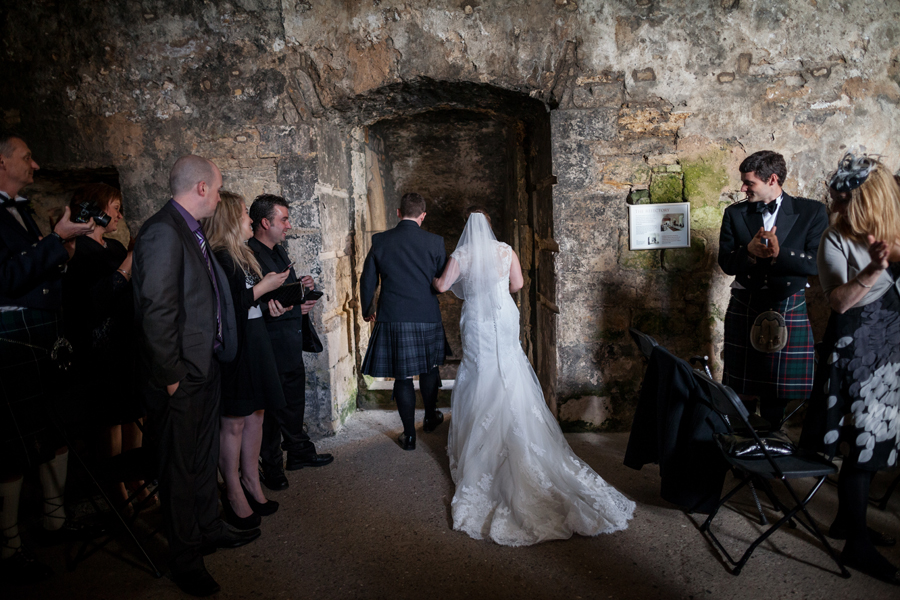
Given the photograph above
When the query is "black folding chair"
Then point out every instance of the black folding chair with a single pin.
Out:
(128, 466)
(763, 470)
(646, 344)
(131, 465)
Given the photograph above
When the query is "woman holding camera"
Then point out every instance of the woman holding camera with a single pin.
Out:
(855, 407)
(250, 385)
(98, 310)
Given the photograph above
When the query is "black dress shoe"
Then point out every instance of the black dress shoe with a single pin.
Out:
(249, 522)
(878, 538)
(273, 478)
(309, 460)
(263, 509)
(229, 539)
(23, 568)
(407, 442)
(197, 582)
(878, 569)
(431, 423)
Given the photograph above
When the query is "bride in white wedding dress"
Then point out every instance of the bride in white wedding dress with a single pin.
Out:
(517, 480)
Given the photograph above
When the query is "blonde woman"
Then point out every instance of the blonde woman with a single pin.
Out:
(854, 406)
(250, 384)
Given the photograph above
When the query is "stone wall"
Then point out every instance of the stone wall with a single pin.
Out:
(650, 99)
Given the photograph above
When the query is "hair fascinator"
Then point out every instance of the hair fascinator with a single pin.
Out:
(852, 172)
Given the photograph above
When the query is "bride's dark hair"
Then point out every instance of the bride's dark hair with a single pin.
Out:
(478, 209)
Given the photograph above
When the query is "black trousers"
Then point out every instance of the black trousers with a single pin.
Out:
(283, 428)
(184, 432)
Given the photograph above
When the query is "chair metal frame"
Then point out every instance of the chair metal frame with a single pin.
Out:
(84, 552)
(646, 344)
(761, 471)
(130, 465)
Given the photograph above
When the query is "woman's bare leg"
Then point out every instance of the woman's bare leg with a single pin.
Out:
(230, 437)
(250, 455)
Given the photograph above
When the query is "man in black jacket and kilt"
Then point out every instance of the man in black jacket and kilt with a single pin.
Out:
(769, 243)
(409, 338)
(31, 269)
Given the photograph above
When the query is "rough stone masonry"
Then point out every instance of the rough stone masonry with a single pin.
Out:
(649, 101)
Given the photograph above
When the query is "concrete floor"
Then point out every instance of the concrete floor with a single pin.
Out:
(375, 524)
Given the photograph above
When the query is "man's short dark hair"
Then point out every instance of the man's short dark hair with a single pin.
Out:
(263, 207)
(411, 205)
(764, 163)
(6, 138)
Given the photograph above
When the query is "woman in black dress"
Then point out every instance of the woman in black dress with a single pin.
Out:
(854, 405)
(250, 385)
(98, 310)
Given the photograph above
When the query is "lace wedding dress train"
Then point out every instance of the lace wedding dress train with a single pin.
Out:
(517, 480)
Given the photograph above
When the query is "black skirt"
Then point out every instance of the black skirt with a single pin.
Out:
(854, 405)
(251, 382)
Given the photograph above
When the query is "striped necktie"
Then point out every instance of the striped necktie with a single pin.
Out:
(201, 239)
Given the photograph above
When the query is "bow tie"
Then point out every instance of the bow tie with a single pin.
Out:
(12, 202)
(762, 207)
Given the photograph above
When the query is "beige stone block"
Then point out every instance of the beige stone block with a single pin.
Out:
(593, 410)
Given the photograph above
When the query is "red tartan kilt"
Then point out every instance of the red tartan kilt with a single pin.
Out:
(786, 374)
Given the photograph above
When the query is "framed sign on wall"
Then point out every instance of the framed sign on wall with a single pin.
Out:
(659, 226)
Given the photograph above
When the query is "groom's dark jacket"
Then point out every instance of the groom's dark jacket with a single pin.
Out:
(406, 259)
(799, 226)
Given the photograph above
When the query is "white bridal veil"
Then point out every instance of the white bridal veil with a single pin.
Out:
(481, 269)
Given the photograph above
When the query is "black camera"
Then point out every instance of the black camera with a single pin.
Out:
(89, 210)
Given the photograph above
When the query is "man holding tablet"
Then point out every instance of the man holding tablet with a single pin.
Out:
(283, 429)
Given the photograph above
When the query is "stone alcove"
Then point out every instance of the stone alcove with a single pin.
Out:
(53, 189)
(463, 144)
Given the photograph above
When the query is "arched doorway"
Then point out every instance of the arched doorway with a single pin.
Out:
(460, 144)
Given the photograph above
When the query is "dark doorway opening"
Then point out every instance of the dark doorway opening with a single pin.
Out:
(52, 190)
(470, 145)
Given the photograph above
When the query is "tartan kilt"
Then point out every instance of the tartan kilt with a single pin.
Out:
(786, 374)
(402, 350)
(29, 382)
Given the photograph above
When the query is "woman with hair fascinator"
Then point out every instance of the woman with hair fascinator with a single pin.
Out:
(854, 406)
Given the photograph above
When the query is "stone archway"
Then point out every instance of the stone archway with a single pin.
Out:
(460, 144)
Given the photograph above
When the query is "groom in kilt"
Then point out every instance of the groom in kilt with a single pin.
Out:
(408, 338)
(769, 242)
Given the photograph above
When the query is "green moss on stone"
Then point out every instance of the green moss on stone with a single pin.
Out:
(704, 179)
(706, 217)
(639, 197)
(640, 176)
(685, 259)
(642, 260)
(666, 187)
(350, 407)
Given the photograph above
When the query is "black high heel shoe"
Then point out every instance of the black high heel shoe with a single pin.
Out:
(263, 509)
(242, 523)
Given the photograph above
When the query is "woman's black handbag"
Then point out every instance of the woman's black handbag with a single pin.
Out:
(311, 341)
